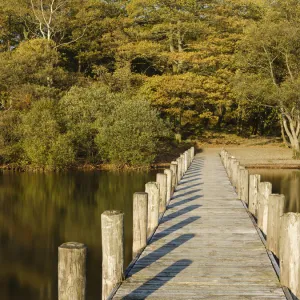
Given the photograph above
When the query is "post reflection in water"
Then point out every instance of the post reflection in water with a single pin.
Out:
(284, 181)
(38, 212)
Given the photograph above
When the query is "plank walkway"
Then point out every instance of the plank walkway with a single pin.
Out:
(205, 247)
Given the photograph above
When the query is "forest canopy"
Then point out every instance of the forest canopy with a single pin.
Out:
(91, 81)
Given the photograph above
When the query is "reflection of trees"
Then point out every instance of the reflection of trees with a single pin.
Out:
(38, 212)
(285, 182)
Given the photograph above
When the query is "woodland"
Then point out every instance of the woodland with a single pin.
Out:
(92, 82)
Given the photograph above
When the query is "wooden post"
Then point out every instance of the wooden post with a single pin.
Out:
(112, 224)
(152, 189)
(182, 165)
(235, 170)
(193, 152)
(173, 168)
(264, 191)
(290, 252)
(72, 271)
(168, 172)
(254, 181)
(179, 169)
(239, 181)
(161, 179)
(231, 160)
(245, 185)
(186, 161)
(227, 161)
(140, 222)
(275, 212)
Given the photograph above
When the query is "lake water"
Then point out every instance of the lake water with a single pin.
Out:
(285, 182)
(39, 212)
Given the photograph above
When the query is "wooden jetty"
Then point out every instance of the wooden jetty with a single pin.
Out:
(205, 247)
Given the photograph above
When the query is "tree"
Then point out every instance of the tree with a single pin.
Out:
(269, 65)
(130, 135)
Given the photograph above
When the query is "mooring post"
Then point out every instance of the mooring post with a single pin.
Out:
(168, 172)
(173, 168)
(140, 222)
(161, 179)
(254, 181)
(72, 271)
(275, 213)
(112, 225)
(264, 191)
(152, 188)
(290, 252)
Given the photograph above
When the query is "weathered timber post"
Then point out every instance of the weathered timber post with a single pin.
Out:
(173, 168)
(168, 172)
(152, 189)
(140, 222)
(189, 158)
(230, 167)
(182, 166)
(290, 252)
(239, 181)
(245, 185)
(112, 224)
(227, 162)
(193, 152)
(275, 213)
(161, 179)
(235, 170)
(186, 161)
(72, 271)
(179, 166)
(264, 191)
(254, 181)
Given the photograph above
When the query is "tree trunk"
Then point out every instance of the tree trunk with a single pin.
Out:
(291, 128)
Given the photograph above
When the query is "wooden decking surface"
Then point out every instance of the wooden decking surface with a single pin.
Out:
(205, 247)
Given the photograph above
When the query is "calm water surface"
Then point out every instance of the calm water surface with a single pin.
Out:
(39, 212)
(285, 182)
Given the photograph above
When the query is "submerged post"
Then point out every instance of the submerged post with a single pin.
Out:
(290, 252)
(140, 222)
(168, 172)
(72, 271)
(275, 213)
(264, 191)
(112, 225)
(161, 179)
(254, 181)
(152, 189)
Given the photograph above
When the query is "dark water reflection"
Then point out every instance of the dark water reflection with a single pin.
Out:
(38, 212)
(285, 182)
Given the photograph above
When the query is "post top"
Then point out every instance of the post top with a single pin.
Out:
(72, 245)
(112, 213)
(140, 193)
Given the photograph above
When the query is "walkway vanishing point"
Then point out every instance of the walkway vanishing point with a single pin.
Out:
(206, 246)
